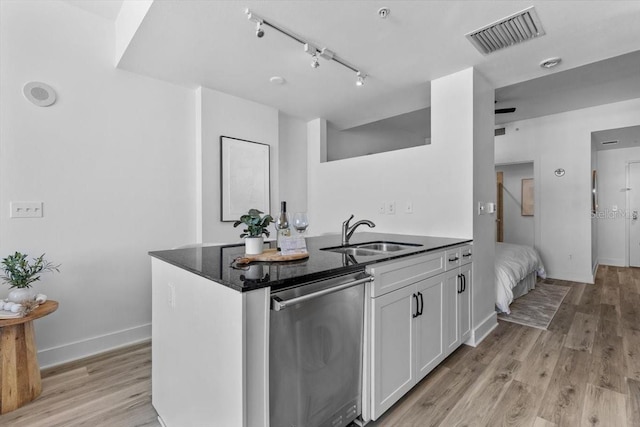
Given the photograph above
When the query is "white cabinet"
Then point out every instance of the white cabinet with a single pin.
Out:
(464, 304)
(421, 312)
(457, 317)
(407, 339)
(393, 347)
(452, 316)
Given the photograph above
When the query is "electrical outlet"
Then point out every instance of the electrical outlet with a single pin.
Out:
(26, 210)
(391, 208)
(381, 208)
(408, 208)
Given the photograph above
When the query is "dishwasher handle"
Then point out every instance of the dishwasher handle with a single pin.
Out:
(279, 304)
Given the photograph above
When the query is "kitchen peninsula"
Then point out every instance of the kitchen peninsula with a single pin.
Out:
(211, 320)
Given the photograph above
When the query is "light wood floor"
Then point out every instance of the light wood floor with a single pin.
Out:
(583, 371)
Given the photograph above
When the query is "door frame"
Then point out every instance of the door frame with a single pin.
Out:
(627, 213)
(500, 207)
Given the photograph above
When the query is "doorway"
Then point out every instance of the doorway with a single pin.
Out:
(632, 212)
(515, 204)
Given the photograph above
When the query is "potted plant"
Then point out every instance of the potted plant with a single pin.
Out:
(19, 273)
(256, 226)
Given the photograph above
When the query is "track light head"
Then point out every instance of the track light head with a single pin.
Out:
(360, 78)
(259, 30)
(315, 63)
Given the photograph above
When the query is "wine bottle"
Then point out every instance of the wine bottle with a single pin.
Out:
(282, 225)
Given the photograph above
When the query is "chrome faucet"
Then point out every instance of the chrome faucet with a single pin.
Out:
(347, 231)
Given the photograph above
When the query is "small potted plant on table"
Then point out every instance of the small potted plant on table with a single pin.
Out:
(19, 273)
(256, 226)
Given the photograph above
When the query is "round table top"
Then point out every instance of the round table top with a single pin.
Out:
(43, 309)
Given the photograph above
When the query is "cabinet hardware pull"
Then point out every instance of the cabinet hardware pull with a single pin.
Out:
(464, 282)
(417, 313)
(421, 304)
(466, 255)
(454, 259)
(459, 283)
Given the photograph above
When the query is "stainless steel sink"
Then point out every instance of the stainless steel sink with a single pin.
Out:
(372, 248)
(353, 251)
(385, 246)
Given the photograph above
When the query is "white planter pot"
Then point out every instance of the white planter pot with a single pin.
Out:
(253, 245)
(20, 295)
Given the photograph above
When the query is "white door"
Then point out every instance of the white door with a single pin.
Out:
(452, 287)
(429, 331)
(464, 303)
(634, 214)
(393, 347)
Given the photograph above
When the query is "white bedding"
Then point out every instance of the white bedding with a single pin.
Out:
(513, 263)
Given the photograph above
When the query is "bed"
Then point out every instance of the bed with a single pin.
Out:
(517, 267)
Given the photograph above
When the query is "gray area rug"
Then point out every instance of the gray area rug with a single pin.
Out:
(537, 308)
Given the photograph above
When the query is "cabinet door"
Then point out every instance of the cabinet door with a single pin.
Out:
(429, 325)
(452, 286)
(393, 347)
(464, 304)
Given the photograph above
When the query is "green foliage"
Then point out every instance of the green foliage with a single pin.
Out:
(256, 224)
(20, 273)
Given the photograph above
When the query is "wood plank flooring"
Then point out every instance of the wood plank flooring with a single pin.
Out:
(583, 371)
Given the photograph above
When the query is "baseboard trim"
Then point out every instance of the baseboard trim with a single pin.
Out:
(571, 278)
(616, 262)
(65, 353)
(479, 333)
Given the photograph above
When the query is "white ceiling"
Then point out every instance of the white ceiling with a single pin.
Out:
(108, 9)
(212, 44)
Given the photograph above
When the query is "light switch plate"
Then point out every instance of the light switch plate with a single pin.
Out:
(26, 210)
(481, 208)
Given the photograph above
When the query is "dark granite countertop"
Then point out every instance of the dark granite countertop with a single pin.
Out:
(215, 262)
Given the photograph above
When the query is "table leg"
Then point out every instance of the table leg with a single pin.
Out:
(19, 371)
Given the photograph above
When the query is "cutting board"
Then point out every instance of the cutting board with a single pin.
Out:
(270, 255)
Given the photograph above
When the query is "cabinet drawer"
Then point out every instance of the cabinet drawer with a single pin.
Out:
(394, 275)
(466, 254)
(452, 258)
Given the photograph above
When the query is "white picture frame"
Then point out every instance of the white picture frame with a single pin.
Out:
(245, 177)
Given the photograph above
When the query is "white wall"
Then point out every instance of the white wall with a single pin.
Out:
(436, 179)
(612, 180)
(112, 161)
(518, 229)
(376, 137)
(563, 225)
(219, 114)
(293, 162)
(442, 180)
(484, 226)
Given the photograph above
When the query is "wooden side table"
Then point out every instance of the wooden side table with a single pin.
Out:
(19, 371)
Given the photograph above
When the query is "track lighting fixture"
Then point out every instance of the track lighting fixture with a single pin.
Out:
(259, 30)
(311, 49)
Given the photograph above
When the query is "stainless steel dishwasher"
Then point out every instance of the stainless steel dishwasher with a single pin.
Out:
(315, 353)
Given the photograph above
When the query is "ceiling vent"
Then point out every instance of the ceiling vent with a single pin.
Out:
(499, 132)
(609, 142)
(513, 29)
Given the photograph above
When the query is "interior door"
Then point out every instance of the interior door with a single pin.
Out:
(500, 213)
(634, 213)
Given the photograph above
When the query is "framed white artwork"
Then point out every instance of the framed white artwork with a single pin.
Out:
(244, 177)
